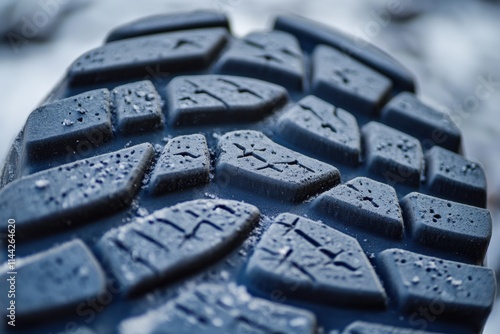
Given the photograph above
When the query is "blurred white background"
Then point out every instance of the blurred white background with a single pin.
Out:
(452, 47)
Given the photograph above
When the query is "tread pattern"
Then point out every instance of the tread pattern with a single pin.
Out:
(272, 56)
(313, 261)
(60, 126)
(366, 203)
(452, 176)
(322, 128)
(392, 154)
(213, 309)
(220, 99)
(168, 22)
(229, 137)
(65, 276)
(75, 192)
(254, 162)
(339, 79)
(448, 225)
(167, 52)
(408, 114)
(311, 34)
(137, 107)
(184, 162)
(175, 240)
(418, 280)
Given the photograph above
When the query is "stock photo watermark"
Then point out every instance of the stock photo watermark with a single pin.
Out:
(11, 273)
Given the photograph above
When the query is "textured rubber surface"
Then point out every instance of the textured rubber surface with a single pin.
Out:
(181, 180)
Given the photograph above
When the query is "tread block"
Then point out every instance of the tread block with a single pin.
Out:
(157, 54)
(322, 128)
(168, 22)
(272, 56)
(362, 327)
(419, 281)
(366, 203)
(253, 161)
(392, 154)
(310, 33)
(346, 83)
(210, 308)
(310, 260)
(408, 114)
(176, 240)
(448, 225)
(212, 99)
(58, 127)
(451, 176)
(75, 192)
(137, 107)
(184, 162)
(66, 275)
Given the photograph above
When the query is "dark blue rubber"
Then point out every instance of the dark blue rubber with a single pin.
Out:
(181, 180)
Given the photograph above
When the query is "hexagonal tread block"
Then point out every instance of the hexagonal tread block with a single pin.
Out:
(253, 161)
(211, 309)
(168, 22)
(272, 56)
(453, 177)
(310, 260)
(407, 113)
(137, 108)
(448, 225)
(59, 127)
(323, 129)
(65, 276)
(217, 99)
(176, 240)
(346, 83)
(365, 203)
(184, 162)
(75, 192)
(417, 281)
(392, 154)
(157, 54)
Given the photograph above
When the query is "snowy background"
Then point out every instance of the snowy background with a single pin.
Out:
(452, 47)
